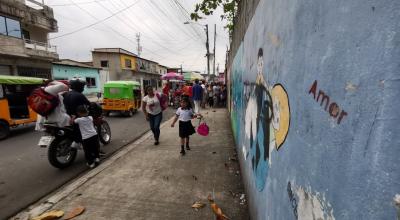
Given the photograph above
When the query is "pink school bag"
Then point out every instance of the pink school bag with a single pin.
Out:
(203, 129)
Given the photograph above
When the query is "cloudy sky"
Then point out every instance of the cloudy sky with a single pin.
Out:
(87, 24)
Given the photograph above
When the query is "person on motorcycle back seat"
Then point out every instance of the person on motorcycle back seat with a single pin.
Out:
(75, 98)
(72, 100)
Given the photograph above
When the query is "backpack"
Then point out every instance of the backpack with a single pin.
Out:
(163, 101)
(42, 102)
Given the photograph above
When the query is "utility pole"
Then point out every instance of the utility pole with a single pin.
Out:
(208, 53)
(215, 39)
(181, 70)
(139, 48)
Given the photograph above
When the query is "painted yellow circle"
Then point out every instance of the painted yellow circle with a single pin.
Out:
(281, 101)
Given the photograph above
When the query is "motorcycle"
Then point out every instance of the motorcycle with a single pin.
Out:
(59, 139)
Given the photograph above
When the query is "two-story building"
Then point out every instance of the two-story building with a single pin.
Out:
(24, 30)
(125, 65)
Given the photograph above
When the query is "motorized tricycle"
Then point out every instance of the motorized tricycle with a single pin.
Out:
(121, 96)
(14, 109)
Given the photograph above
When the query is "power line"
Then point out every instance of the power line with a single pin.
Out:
(170, 16)
(80, 3)
(95, 23)
(129, 18)
(187, 15)
(160, 45)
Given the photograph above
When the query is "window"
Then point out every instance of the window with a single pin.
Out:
(10, 27)
(104, 63)
(3, 26)
(128, 63)
(1, 92)
(115, 91)
(13, 28)
(90, 82)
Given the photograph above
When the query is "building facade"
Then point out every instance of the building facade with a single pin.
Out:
(68, 69)
(24, 47)
(125, 65)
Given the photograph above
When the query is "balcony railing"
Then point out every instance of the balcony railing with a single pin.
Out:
(40, 46)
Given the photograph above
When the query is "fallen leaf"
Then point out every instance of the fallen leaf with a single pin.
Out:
(75, 212)
(50, 215)
(198, 205)
(214, 152)
(218, 212)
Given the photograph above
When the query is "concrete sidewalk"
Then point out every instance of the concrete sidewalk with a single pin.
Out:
(144, 181)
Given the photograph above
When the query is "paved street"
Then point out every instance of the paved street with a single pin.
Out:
(26, 175)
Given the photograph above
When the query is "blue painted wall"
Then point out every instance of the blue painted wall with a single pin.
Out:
(315, 109)
(68, 72)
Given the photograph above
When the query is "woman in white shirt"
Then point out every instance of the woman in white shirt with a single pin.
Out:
(151, 108)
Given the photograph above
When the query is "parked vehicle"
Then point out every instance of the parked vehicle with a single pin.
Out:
(121, 96)
(14, 109)
(59, 139)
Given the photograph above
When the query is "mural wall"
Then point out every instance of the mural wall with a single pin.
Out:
(314, 110)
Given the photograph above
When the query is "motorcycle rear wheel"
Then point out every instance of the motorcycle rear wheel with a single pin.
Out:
(60, 153)
(104, 132)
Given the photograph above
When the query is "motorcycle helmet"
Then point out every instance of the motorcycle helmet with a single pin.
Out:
(77, 84)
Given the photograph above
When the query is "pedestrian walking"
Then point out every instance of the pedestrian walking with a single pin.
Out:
(224, 94)
(185, 115)
(152, 110)
(197, 96)
(210, 93)
(90, 138)
(205, 97)
(217, 93)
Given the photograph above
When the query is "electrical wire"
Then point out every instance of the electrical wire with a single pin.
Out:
(95, 23)
(80, 3)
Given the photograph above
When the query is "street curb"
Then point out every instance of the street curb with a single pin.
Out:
(55, 197)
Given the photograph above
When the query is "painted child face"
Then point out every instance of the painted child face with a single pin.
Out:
(260, 65)
(276, 109)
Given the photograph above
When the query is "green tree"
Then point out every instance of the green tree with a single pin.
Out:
(207, 7)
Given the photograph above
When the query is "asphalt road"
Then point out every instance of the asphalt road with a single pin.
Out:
(26, 175)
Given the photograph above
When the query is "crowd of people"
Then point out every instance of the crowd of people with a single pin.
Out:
(200, 94)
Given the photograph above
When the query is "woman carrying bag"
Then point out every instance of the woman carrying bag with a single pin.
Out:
(151, 107)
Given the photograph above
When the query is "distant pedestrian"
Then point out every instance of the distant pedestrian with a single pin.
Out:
(185, 115)
(90, 138)
(205, 97)
(217, 93)
(224, 94)
(151, 108)
(210, 93)
(197, 96)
